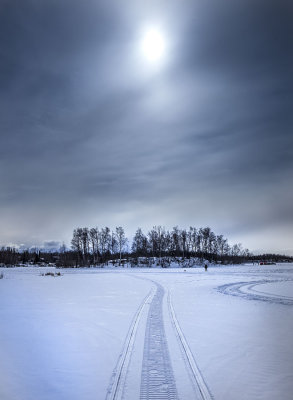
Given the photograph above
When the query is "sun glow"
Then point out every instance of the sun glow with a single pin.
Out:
(153, 45)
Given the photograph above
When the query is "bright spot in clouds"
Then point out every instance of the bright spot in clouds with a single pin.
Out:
(153, 45)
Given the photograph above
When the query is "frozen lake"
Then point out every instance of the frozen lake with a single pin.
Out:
(225, 333)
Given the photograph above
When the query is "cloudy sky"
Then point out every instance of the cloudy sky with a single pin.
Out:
(98, 129)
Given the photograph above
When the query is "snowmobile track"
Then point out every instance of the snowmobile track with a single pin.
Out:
(157, 379)
(198, 382)
(247, 291)
(118, 379)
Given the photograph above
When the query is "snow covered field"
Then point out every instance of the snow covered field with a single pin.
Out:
(225, 333)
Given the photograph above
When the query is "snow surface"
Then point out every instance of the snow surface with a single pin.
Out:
(62, 337)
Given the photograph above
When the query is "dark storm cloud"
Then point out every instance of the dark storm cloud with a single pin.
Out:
(246, 47)
(89, 135)
(241, 137)
(240, 38)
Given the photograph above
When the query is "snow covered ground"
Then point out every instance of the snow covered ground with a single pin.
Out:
(225, 333)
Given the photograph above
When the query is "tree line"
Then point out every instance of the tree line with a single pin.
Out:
(98, 246)
(95, 246)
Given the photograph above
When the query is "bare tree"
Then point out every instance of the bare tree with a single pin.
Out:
(140, 243)
(236, 250)
(205, 239)
(183, 241)
(157, 239)
(105, 241)
(175, 235)
(121, 240)
(114, 243)
(85, 244)
(94, 239)
(76, 243)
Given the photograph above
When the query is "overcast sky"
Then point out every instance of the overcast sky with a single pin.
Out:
(93, 133)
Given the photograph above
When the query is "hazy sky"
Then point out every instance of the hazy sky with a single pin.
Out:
(94, 133)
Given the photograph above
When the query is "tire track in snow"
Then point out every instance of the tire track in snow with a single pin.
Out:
(247, 291)
(157, 378)
(198, 382)
(118, 379)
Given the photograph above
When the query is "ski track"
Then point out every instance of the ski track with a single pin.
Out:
(157, 379)
(247, 291)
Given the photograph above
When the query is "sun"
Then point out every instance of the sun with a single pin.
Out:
(153, 45)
